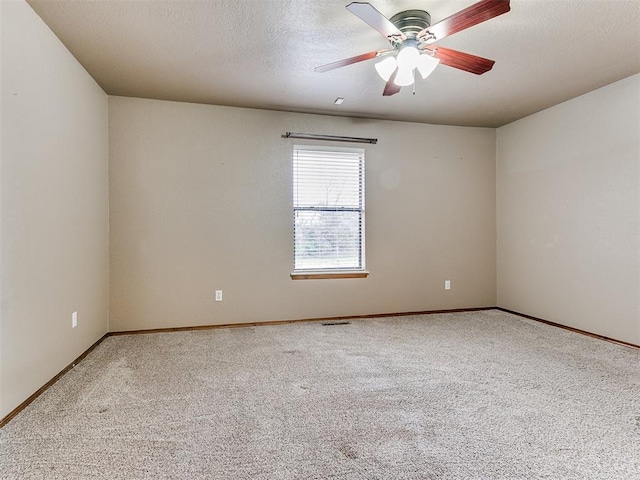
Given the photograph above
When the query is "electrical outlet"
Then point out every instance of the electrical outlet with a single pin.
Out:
(447, 284)
(218, 295)
(74, 319)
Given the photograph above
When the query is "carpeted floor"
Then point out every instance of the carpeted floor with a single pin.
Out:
(482, 395)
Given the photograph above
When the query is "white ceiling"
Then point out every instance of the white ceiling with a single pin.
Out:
(262, 54)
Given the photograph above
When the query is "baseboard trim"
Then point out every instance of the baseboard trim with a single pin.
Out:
(301, 320)
(571, 329)
(41, 390)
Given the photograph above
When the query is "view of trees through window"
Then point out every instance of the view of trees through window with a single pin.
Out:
(328, 187)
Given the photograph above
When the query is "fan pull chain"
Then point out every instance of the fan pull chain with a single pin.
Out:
(414, 81)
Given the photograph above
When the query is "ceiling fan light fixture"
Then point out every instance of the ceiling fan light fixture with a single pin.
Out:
(408, 58)
(404, 77)
(386, 67)
(427, 64)
(410, 32)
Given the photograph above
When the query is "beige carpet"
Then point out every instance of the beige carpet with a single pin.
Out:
(483, 395)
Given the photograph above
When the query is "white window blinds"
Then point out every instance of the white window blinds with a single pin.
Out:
(328, 208)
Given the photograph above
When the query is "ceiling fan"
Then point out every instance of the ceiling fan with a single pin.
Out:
(412, 36)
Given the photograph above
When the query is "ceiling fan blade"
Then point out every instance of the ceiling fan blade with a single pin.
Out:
(391, 88)
(470, 16)
(368, 14)
(348, 61)
(461, 60)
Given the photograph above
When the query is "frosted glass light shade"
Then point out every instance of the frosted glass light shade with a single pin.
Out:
(427, 64)
(408, 58)
(386, 67)
(404, 77)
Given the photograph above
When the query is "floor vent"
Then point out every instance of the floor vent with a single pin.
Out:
(335, 323)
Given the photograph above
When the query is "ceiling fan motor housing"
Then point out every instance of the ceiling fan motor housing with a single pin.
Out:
(411, 22)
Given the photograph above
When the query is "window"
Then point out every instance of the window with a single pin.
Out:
(328, 211)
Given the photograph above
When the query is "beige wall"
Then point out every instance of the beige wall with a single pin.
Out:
(568, 196)
(54, 206)
(200, 199)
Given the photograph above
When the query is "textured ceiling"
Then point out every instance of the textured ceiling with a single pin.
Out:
(262, 54)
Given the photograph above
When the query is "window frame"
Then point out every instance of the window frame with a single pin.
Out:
(334, 272)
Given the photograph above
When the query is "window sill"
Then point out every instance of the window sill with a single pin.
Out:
(328, 275)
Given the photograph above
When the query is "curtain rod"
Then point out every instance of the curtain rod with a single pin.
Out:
(333, 138)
